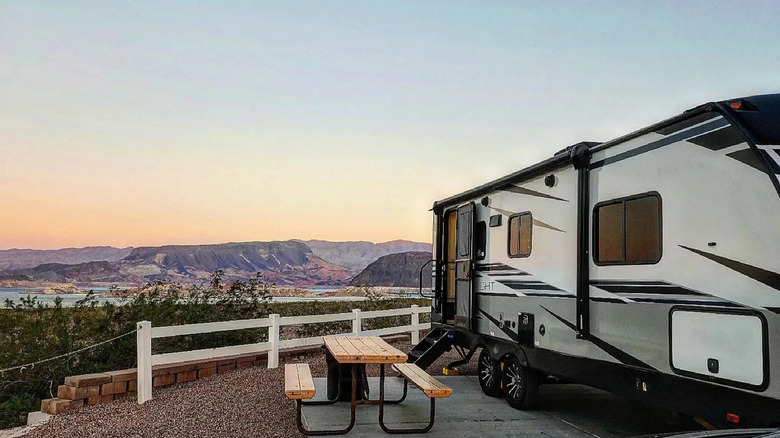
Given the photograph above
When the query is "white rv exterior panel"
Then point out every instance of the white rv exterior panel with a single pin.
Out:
(711, 295)
(735, 341)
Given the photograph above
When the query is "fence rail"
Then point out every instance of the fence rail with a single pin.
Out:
(274, 322)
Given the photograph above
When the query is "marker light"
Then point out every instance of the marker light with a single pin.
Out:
(732, 418)
(741, 105)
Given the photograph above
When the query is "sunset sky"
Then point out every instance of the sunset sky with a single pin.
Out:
(146, 123)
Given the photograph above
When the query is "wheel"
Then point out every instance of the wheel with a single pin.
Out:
(489, 372)
(520, 384)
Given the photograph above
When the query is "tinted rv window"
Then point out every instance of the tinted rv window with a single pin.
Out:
(610, 231)
(480, 238)
(520, 235)
(628, 230)
(643, 229)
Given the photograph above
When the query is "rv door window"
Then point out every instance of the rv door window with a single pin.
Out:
(480, 238)
(464, 233)
(519, 240)
(628, 230)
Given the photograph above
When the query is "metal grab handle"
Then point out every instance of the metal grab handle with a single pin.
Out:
(421, 279)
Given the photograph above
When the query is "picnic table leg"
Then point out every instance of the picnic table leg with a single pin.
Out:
(333, 382)
(323, 402)
(340, 378)
(381, 390)
(353, 405)
(382, 408)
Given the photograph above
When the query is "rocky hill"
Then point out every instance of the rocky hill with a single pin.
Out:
(398, 270)
(13, 259)
(283, 263)
(90, 272)
(357, 255)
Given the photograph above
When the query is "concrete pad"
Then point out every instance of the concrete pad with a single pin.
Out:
(564, 410)
(37, 418)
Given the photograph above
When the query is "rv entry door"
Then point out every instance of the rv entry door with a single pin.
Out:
(464, 249)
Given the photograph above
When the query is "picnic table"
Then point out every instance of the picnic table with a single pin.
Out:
(352, 353)
(345, 355)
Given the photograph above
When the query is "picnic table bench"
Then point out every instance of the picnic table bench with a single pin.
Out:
(298, 383)
(355, 352)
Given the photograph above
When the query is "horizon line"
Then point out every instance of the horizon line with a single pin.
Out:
(209, 244)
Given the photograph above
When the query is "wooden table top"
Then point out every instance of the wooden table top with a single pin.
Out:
(363, 349)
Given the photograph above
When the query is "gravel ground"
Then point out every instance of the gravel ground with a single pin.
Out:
(242, 403)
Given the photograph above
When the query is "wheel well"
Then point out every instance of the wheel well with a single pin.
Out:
(500, 349)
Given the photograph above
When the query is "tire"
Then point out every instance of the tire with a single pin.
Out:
(489, 372)
(520, 384)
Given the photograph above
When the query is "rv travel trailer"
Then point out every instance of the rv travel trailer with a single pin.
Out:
(647, 266)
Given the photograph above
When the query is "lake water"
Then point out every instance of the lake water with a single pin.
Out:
(17, 293)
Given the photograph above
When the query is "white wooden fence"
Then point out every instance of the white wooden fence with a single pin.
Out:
(146, 333)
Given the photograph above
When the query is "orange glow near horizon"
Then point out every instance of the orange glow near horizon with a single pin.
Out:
(134, 197)
(136, 210)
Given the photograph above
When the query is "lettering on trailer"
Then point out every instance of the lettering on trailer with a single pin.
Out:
(486, 286)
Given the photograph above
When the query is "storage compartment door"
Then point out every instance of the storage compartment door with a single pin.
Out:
(728, 348)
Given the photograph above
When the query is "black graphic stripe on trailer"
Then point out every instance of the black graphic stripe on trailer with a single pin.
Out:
(666, 141)
(769, 278)
(747, 156)
(497, 294)
(524, 191)
(529, 285)
(512, 335)
(629, 287)
(689, 302)
(489, 267)
(774, 163)
(506, 274)
(548, 295)
(661, 292)
(719, 139)
(526, 294)
(687, 123)
(608, 300)
(613, 351)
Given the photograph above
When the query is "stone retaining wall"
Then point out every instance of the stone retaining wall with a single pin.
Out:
(90, 389)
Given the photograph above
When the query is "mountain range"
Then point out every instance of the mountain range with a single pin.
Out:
(291, 262)
(11, 259)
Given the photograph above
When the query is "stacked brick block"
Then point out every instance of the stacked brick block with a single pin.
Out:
(90, 389)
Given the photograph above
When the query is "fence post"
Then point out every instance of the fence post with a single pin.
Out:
(273, 338)
(415, 323)
(144, 351)
(356, 323)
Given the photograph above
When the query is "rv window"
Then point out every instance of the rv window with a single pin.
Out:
(610, 232)
(628, 230)
(520, 235)
(480, 236)
(643, 229)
